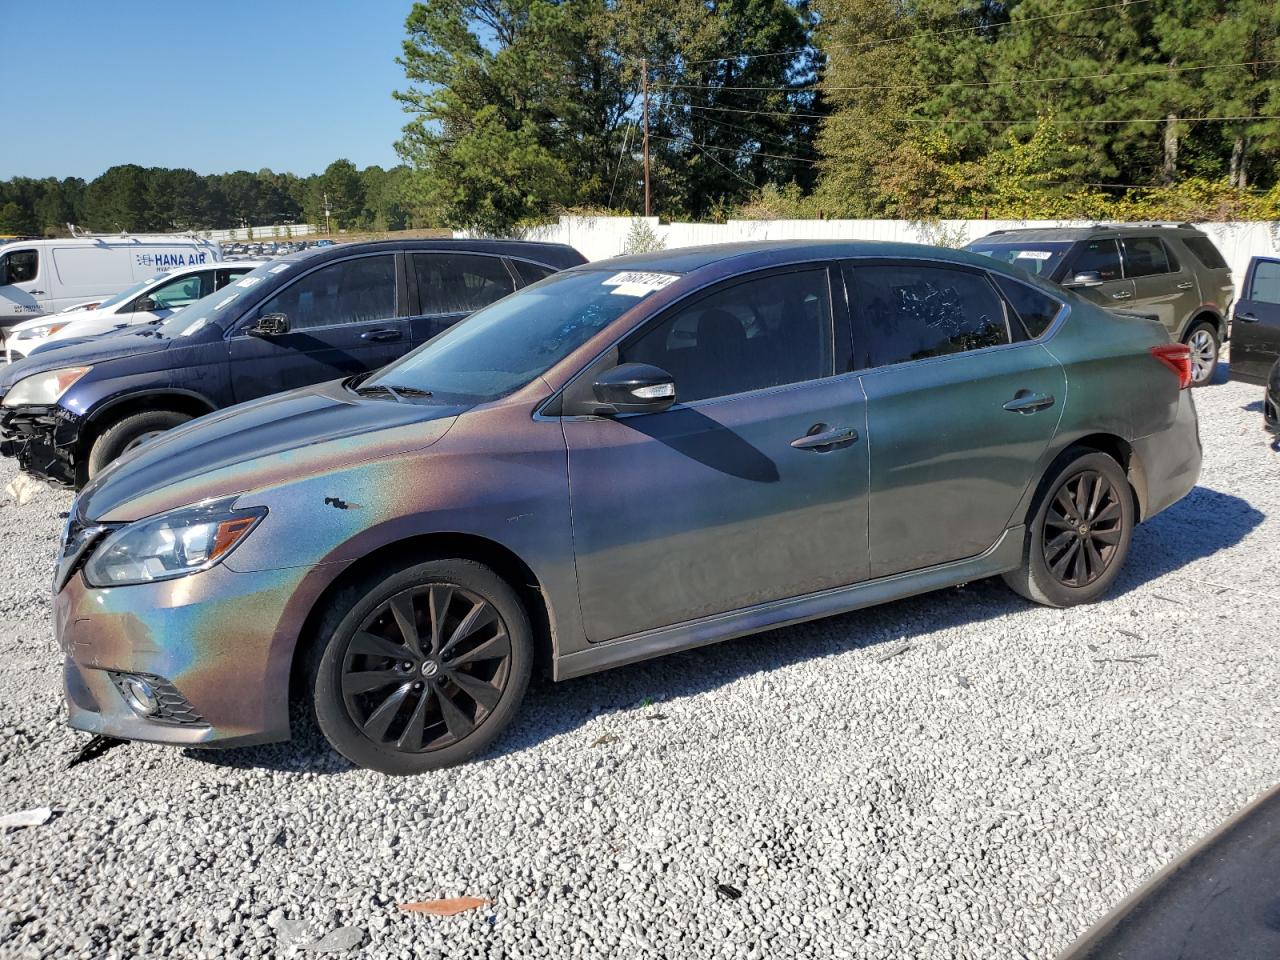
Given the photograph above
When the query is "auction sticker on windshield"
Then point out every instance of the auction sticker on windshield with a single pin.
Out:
(630, 283)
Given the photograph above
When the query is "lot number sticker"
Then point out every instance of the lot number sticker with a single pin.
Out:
(633, 284)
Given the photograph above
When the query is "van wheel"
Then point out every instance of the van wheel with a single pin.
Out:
(1079, 536)
(128, 432)
(1203, 341)
(422, 669)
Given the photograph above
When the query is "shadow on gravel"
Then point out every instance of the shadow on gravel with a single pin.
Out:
(1201, 524)
(1255, 407)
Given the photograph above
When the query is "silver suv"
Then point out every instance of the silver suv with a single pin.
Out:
(1171, 272)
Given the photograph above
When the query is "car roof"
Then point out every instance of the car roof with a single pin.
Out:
(558, 255)
(1092, 232)
(761, 253)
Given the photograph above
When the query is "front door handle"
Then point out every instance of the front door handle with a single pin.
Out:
(1024, 401)
(822, 438)
(1246, 318)
(385, 333)
(1186, 285)
(36, 293)
(1122, 295)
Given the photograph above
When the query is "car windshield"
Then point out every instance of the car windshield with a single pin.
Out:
(506, 344)
(1040, 257)
(195, 317)
(133, 291)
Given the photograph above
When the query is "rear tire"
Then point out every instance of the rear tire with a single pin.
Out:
(126, 433)
(422, 669)
(1203, 343)
(1079, 536)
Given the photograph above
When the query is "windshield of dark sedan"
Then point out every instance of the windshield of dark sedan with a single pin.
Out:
(506, 344)
(196, 316)
(1040, 257)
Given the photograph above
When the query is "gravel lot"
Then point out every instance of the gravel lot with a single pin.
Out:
(957, 775)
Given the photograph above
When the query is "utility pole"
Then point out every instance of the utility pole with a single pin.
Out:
(644, 86)
(326, 212)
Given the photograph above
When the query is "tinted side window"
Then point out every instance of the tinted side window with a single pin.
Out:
(1266, 282)
(1144, 256)
(19, 266)
(531, 272)
(353, 291)
(1205, 252)
(1036, 310)
(761, 333)
(913, 312)
(1098, 256)
(459, 282)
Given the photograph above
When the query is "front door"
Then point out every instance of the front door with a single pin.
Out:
(24, 285)
(343, 319)
(730, 498)
(1255, 331)
(1095, 274)
(961, 406)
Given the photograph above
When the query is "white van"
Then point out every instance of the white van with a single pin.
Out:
(156, 298)
(46, 276)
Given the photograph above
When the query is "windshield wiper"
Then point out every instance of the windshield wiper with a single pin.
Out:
(398, 393)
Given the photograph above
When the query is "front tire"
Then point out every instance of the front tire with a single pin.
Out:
(422, 669)
(1079, 536)
(127, 432)
(1204, 346)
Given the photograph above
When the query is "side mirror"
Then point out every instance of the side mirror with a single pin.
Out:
(1086, 278)
(270, 325)
(145, 305)
(635, 388)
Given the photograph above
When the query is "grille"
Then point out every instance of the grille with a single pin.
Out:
(173, 706)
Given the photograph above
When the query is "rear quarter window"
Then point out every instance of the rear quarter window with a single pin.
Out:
(1205, 252)
(1034, 308)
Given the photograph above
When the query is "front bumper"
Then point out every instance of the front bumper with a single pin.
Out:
(220, 644)
(43, 439)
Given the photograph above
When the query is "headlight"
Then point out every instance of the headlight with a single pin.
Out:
(170, 545)
(44, 389)
(44, 330)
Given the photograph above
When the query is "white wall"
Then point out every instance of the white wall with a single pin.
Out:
(601, 237)
(271, 232)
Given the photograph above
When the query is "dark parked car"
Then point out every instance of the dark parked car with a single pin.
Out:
(624, 460)
(67, 412)
(1255, 325)
(1271, 402)
(1171, 272)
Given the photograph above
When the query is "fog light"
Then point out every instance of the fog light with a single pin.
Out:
(139, 695)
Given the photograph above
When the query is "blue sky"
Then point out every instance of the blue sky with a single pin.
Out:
(213, 86)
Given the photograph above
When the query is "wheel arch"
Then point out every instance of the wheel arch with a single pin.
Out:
(1113, 446)
(181, 401)
(1205, 315)
(398, 554)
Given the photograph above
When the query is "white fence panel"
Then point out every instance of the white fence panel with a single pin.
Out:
(601, 237)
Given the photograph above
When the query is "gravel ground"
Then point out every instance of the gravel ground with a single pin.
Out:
(956, 775)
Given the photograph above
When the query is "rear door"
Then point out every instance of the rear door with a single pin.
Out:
(448, 286)
(1255, 330)
(344, 318)
(1095, 273)
(1163, 287)
(24, 284)
(960, 408)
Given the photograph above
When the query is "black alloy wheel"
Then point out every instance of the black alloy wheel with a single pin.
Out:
(1083, 529)
(426, 668)
(420, 668)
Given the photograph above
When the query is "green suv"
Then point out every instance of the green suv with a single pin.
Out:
(1170, 272)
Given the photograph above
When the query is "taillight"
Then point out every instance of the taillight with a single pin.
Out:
(1177, 357)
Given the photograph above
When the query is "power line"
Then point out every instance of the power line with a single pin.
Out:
(1031, 120)
(813, 88)
(736, 152)
(621, 155)
(912, 36)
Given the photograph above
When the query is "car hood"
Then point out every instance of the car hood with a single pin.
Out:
(277, 439)
(78, 353)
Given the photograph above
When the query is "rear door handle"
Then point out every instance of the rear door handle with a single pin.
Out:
(822, 438)
(1122, 295)
(1246, 318)
(1186, 286)
(36, 293)
(385, 333)
(1024, 401)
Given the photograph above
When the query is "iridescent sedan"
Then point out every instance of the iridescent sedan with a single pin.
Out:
(627, 459)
